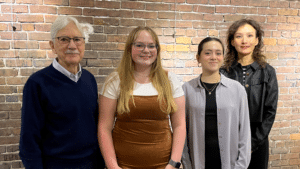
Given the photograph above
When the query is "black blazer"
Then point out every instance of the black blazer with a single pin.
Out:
(262, 90)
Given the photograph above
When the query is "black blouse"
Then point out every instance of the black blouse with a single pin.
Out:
(212, 149)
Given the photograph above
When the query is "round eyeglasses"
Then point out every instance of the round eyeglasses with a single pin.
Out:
(67, 40)
(141, 46)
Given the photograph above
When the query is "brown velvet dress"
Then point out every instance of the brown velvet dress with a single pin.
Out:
(142, 138)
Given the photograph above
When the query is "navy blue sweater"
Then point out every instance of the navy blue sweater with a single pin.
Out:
(59, 117)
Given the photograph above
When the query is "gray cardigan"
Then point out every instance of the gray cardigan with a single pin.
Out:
(233, 125)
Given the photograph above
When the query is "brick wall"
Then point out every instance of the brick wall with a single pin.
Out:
(180, 24)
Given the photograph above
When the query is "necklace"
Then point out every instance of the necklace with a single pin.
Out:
(213, 88)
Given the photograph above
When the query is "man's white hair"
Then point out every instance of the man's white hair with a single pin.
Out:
(63, 21)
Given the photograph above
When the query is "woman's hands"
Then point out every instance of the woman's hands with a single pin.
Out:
(107, 109)
(114, 168)
(170, 167)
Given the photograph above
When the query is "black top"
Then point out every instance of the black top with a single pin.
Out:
(244, 68)
(262, 91)
(212, 149)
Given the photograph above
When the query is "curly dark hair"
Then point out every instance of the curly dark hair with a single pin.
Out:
(232, 55)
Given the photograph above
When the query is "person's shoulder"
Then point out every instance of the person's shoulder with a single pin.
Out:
(88, 77)
(113, 76)
(228, 81)
(173, 77)
(231, 83)
(41, 73)
(270, 68)
(40, 77)
(87, 73)
(192, 82)
(234, 87)
(191, 87)
(112, 79)
(171, 74)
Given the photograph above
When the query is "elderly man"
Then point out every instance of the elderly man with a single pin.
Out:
(60, 108)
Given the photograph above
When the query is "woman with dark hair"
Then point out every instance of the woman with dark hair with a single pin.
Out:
(217, 117)
(245, 63)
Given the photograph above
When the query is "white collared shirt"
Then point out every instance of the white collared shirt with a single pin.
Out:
(64, 71)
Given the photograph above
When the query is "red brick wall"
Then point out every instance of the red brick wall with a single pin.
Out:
(180, 24)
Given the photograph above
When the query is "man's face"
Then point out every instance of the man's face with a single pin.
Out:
(69, 54)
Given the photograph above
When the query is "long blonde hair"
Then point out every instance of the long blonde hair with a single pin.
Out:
(158, 77)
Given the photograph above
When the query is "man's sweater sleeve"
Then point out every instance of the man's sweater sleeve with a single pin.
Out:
(31, 128)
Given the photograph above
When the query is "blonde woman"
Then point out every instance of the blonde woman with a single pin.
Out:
(136, 103)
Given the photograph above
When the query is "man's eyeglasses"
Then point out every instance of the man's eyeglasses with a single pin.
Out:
(142, 46)
(67, 40)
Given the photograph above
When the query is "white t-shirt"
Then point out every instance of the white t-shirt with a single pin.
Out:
(112, 91)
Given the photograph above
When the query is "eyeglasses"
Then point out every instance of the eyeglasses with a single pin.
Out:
(67, 40)
(142, 46)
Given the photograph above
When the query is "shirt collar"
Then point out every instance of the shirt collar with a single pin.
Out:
(253, 65)
(223, 81)
(64, 71)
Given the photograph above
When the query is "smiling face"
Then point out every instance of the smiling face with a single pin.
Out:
(211, 57)
(68, 54)
(245, 40)
(147, 56)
